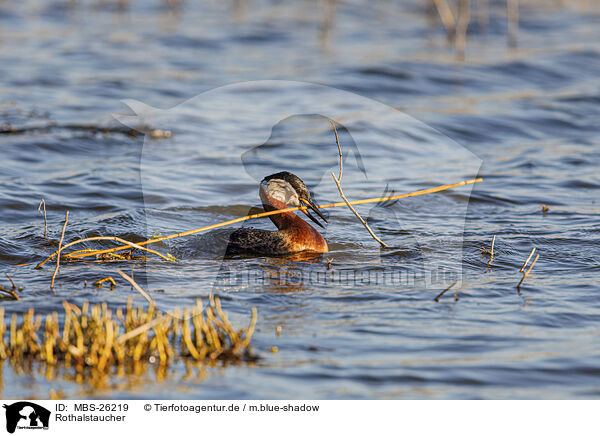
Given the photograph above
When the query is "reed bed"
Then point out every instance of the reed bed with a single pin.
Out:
(96, 340)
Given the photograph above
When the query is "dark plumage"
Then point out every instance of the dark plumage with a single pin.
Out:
(257, 241)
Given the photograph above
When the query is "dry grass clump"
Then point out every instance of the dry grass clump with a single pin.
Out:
(96, 338)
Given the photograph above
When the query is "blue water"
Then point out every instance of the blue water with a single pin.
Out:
(411, 116)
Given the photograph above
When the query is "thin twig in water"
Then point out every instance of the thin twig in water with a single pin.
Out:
(12, 293)
(106, 238)
(139, 330)
(337, 182)
(62, 236)
(85, 253)
(43, 203)
(437, 299)
(526, 273)
(136, 286)
(98, 283)
(11, 281)
(512, 16)
(490, 251)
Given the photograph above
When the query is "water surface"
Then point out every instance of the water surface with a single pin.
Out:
(529, 113)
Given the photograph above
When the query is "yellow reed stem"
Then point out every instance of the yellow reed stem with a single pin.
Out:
(62, 236)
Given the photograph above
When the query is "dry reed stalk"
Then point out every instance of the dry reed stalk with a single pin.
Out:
(337, 181)
(437, 299)
(446, 16)
(136, 286)
(464, 17)
(43, 203)
(11, 281)
(62, 236)
(490, 251)
(483, 13)
(526, 273)
(85, 253)
(106, 238)
(512, 16)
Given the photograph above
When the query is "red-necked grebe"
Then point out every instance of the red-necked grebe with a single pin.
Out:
(280, 191)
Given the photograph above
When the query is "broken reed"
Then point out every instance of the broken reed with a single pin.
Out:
(96, 337)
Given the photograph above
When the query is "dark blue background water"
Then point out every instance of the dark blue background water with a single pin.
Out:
(530, 113)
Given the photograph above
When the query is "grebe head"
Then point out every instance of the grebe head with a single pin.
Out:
(289, 189)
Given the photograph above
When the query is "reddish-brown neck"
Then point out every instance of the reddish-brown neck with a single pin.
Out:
(302, 236)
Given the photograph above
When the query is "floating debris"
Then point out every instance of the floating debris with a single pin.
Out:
(136, 286)
(9, 294)
(527, 261)
(490, 251)
(337, 181)
(526, 273)
(545, 208)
